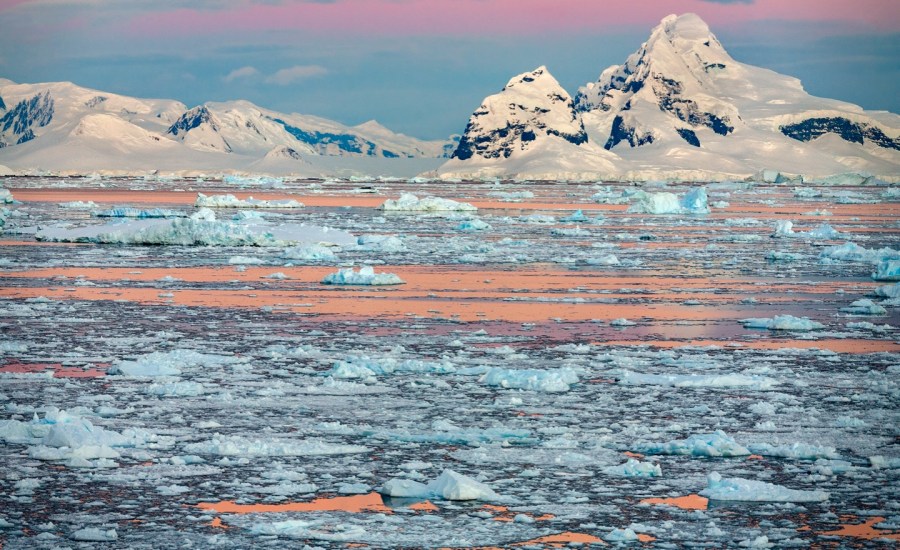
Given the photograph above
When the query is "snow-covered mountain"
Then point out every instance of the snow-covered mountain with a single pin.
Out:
(531, 126)
(681, 106)
(59, 126)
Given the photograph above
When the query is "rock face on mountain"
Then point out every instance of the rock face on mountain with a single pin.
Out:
(531, 123)
(682, 107)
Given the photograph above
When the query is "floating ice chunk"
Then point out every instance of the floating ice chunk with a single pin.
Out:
(569, 232)
(511, 196)
(230, 201)
(169, 363)
(888, 291)
(264, 181)
(608, 259)
(783, 256)
(12, 347)
(655, 203)
(353, 489)
(634, 468)
(693, 202)
(785, 228)
(717, 443)
(879, 462)
(800, 451)
(6, 197)
(550, 381)
(95, 534)
(75, 205)
(449, 485)
(622, 322)
(621, 535)
(748, 490)
(245, 260)
(782, 322)
(129, 212)
(310, 253)
(537, 219)
(380, 243)
(175, 389)
(222, 445)
(367, 367)
(278, 275)
(865, 325)
(365, 276)
(200, 229)
(887, 271)
(473, 225)
(411, 203)
(852, 252)
(864, 307)
(630, 378)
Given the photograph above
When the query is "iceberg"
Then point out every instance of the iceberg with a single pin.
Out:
(201, 229)
(634, 468)
(864, 307)
(887, 271)
(6, 197)
(852, 252)
(748, 490)
(365, 276)
(449, 485)
(630, 378)
(230, 201)
(783, 322)
(130, 212)
(78, 205)
(716, 444)
(693, 202)
(549, 381)
(824, 232)
(411, 203)
(888, 291)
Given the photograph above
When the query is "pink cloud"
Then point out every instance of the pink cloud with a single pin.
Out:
(467, 17)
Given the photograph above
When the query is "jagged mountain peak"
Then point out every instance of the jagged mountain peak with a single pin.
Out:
(531, 108)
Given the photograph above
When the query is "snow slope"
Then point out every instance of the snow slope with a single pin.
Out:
(62, 127)
(681, 107)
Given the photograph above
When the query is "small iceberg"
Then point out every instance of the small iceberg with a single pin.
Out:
(230, 201)
(783, 322)
(694, 202)
(411, 203)
(448, 486)
(748, 490)
(365, 276)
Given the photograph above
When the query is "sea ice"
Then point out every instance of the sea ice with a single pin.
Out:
(223, 445)
(782, 322)
(309, 253)
(799, 451)
(78, 205)
(130, 212)
(887, 271)
(365, 276)
(888, 291)
(621, 535)
(852, 252)
(693, 202)
(6, 197)
(630, 378)
(864, 307)
(201, 228)
(411, 203)
(550, 381)
(715, 444)
(169, 363)
(473, 225)
(230, 201)
(94, 534)
(634, 468)
(449, 485)
(748, 490)
(785, 228)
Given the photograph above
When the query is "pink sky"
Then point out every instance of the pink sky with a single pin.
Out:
(504, 16)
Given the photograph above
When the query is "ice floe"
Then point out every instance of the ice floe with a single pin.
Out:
(748, 490)
(230, 201)
(693, 202)
(630, 378)
(365, 276)
(550, 381)
(783, 322)
(225, 445)
(716, 444)
(411, 203)
(449, 485)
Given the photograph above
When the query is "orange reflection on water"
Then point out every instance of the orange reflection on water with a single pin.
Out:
(865, 531)
(844, 345)
(355, 504)
(688, 502)
(645, 538)
(216, 523)
(560, 540)
(425, 506)
(59, 371)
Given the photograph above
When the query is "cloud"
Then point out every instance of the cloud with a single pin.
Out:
(243, 72)
(297, 72)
